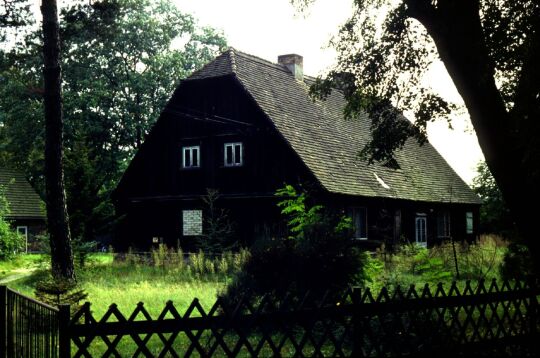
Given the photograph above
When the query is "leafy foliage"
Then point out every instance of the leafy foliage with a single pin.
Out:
(121, 60)
(293, 206)
(494, 214)
(317, 257)
(58, 291)
(14, 14)
(10, 241)
(387, 47)
(517, 263)
(218, 233)
(490, 49)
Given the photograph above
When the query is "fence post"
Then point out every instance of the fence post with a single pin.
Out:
(3, 321)
(533, 316)
(64, 339)
(356, 296)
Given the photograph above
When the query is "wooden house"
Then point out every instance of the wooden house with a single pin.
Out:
(25, 209)
(245, 126)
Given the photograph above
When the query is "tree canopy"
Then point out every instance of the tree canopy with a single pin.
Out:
(121, 60)
(491, 49)
(494, 214)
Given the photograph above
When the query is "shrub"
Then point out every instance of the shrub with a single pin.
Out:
(56, 291)
(481, 259)
(316, 257)
(218, 233)
(82, 251)
(517, 263)
(10, 241)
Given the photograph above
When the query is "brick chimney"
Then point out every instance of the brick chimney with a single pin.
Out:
(294, 63)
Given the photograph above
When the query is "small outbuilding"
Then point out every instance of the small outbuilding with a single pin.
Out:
(26, 210)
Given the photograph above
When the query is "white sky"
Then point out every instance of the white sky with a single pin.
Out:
(268, 28)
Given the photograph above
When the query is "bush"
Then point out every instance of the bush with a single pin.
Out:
(56, 291)
(317, 257)
(10, 241)
(517, 263)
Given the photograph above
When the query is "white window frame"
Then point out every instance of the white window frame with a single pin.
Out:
(417, 235)
(233, 161)
(25, 235)
(190, 150)
(469, 222)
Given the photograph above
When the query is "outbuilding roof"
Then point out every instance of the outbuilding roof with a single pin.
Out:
(24, 202)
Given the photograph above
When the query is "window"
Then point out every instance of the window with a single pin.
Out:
(359, 221)
(191, 157)
(191, 222)
(469, 222)
(23, 231)
(443, 225)
(421, 230)
(233, 154)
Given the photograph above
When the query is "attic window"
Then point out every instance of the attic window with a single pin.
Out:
(191, 157)
(234, 154)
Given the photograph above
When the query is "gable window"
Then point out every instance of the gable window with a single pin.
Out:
(469, 222)
(192, 222)
(234, 154)
(359, 221)
(191, 157)
(443, 225)
(421, 230)
(23, 231)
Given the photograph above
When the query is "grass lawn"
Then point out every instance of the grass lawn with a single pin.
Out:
(21, 266)
(163, 277)
(127, 283)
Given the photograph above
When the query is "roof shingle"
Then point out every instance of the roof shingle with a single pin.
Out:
(329, 145)
(23, 200)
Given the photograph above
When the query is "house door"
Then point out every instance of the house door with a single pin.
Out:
(421, 230)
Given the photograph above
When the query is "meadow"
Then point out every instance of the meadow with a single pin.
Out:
(163, 275)
(126, 279)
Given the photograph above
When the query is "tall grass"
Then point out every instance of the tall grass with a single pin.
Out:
(153, 278)
(412, 264)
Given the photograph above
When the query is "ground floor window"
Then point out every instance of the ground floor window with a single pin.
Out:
(421, 230)
(469, 222)
(192, 222)
(23, 231)
(443, 225)
(359, 221)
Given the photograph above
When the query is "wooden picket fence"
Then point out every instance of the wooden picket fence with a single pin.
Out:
(486, 320)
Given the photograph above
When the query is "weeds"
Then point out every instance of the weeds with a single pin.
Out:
(412, 264)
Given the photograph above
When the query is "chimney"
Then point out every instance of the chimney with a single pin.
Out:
(294, 63)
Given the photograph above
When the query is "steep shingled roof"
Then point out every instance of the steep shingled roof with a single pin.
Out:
(23, 200)
(329, 145)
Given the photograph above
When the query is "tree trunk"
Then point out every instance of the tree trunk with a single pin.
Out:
(57, 217)
(456, 29)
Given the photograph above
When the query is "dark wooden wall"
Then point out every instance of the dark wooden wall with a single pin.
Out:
(206, 113)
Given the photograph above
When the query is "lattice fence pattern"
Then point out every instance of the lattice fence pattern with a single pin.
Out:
(488, 320)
